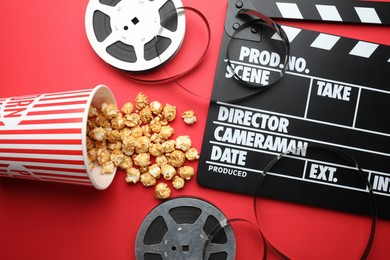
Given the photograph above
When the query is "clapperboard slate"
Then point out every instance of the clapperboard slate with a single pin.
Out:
(336, 93)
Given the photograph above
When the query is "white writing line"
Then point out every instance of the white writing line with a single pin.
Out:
(300, 179)
(310, 77)
(304, 139)
(304, 119)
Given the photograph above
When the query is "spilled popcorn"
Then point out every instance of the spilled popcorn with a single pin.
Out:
(137, 139)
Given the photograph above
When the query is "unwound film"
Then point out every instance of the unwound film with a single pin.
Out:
(319, 151)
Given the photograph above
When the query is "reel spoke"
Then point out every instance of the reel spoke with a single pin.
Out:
(106, 9)
(166, 33)
(139, 52)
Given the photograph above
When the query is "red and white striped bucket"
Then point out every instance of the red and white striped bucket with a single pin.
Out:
(43, 137)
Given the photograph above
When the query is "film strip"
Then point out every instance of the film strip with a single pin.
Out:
(323, 151)
(349, 11)
(332, 94)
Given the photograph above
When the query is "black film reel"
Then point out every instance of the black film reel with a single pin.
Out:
(179, 229)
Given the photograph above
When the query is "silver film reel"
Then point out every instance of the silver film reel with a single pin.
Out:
(179, 229)
(135, 35)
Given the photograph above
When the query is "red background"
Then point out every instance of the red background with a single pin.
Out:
(43, 48)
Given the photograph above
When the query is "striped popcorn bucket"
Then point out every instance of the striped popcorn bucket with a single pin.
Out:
(43, 137)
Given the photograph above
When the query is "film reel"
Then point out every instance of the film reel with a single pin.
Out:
(124, 33)
(179, 229)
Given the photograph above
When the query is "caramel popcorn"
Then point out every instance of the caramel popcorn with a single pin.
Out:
(183, 143)
(155, 149)
(127, 108)
(156, 138)
(117, 157)
(192, 154)
(176, 158)
(141, 101)
(142, 159)
(161, 160)
(166, 131)
(100, 120)
(125, 132)
(142, 144)
(168, 146)
(136, 131)
(143, 169)
(169, 112)
(155, 171)
(162, 191)
(103, 156)
(128, 145)
(189, 117)
(91, 164)
(127, 138)
(108, 167)
(168, 171)
(89, 143)
(178, 182)
(115, 146)
(118, 122)
(156, 107)
(91, 124)
(93, 111)
(132, 175)
(127, 162)
(146, 130)
(92, 154)
(132, 120)
(147, 180)
(145, 115)
(186, 172)
(109, 111)
(155, 124)
(113, 136)
(98, 134)
(100, 144)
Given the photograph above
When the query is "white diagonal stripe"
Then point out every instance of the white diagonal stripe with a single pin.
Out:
(364, 49)
(329, 13)
(325, 41)
(367, 15)
(291, 33)
(289, 10)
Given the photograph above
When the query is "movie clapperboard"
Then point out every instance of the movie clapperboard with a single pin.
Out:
(335, 93)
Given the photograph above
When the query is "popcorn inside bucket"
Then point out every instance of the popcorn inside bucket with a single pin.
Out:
(42, 137)
(101, 175)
